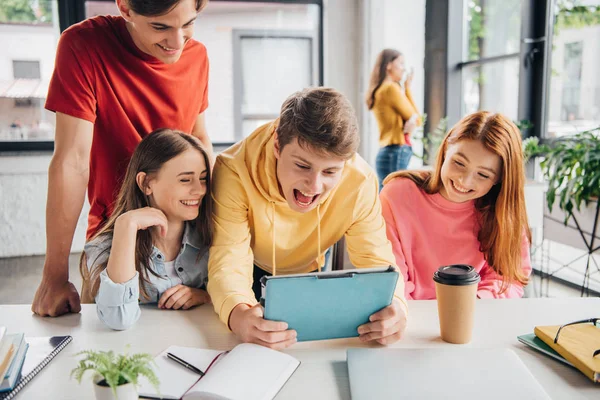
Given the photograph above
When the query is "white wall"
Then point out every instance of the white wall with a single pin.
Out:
(23, 190)
(398, 24)
(28, 42)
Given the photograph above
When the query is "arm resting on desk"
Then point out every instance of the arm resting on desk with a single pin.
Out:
(231, 261)
(117, 303)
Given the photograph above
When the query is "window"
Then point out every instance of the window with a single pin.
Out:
(490, 75)
(496, 59)
(26, 69)
(271, 68)
(259, 52)
(574, 101)
(280, 30)
(29, 33)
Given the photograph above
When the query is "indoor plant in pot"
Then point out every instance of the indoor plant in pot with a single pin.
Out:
(571, 167)
(115, 376)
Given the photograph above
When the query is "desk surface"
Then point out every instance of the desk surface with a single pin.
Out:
(323, 373)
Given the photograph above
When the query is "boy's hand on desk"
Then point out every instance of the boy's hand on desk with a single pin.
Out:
(54, 298)
(181, 296)
(386, 326)
(250, 326)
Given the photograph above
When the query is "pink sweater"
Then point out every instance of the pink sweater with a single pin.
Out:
(428, 231)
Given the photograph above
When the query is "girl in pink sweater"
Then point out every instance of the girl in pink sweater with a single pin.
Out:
(469, 210)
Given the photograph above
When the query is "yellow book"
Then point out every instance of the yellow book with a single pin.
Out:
(576, 343)
(8, 351)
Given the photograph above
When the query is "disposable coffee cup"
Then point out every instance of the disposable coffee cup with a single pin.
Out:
(456, 292)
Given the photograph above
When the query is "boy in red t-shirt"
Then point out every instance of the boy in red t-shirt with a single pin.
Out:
(116, 79)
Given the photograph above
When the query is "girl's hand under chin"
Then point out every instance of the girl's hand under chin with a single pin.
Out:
(144, 218)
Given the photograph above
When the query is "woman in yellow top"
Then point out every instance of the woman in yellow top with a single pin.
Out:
(395, 111)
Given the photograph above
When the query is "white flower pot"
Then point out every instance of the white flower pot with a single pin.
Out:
(124, 392)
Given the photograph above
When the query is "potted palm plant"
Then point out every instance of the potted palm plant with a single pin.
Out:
(115, 376)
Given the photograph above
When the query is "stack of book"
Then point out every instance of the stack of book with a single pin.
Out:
(13, 349)
(576, 344)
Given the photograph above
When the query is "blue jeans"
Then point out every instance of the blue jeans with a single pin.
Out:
(391, 159)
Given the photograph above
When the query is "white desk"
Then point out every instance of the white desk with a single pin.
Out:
(323, 373)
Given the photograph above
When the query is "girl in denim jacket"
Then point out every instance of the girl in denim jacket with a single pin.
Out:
(154, 247)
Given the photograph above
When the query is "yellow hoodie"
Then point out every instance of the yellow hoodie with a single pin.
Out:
(255, 225)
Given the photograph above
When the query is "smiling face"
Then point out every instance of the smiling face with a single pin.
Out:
(306, 176)
(177, 189)
(469, 171)
(162, 36)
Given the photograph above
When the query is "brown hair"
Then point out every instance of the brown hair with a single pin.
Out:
(379, 73)
(154, 8)
(502, 214)
(149, 156)
(321, 118)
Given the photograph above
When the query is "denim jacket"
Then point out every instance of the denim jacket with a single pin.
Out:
(117, 304)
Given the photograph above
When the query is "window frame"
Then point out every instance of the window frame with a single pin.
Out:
(444, 42)
(238, 35)
(73, 11)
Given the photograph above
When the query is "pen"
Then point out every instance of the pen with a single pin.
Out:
(185, 364)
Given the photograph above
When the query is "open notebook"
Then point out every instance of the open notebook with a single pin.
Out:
(248, 372)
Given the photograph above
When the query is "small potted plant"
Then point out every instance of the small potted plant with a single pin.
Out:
(571, 167)
(116, 376)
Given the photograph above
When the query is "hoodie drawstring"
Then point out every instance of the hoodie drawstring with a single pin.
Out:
(273, 239)
(319, 236)
(319, 263)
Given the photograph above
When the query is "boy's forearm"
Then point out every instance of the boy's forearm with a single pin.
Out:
(66, 192)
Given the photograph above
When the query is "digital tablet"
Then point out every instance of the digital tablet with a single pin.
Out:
(328, 305)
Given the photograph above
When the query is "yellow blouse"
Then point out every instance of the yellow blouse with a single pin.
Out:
(391, 109)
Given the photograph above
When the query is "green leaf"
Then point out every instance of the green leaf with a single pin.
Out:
(116, 369)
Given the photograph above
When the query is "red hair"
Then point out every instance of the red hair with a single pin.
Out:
(502, 213)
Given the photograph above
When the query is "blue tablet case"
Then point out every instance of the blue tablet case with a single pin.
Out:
(328, 305)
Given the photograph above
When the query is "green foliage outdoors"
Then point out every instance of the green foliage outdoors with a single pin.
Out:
(572, 15)
(432, 140)
(571, 166)
(26, 11)
(116, 369)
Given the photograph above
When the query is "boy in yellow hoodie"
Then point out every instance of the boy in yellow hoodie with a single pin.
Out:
(283, 196)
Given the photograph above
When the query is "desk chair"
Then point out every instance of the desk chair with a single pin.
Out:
(337, 258)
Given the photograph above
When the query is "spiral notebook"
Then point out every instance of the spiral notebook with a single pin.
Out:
(41, 351)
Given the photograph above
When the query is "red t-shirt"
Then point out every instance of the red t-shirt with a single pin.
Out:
(101, 76)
